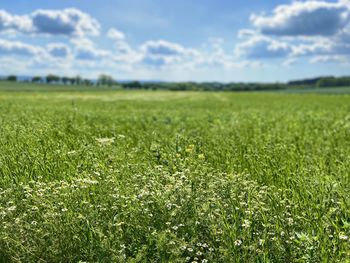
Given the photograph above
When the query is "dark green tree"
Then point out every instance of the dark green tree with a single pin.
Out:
(52, 78)
(105, 80)
(78, 80)
(65, 80)
(37, 79)
(11, 78)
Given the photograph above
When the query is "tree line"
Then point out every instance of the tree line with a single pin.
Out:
(103, 79)
(326, 81)
(106, 80)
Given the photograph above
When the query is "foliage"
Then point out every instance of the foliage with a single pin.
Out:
(306, 82)
(205, 86)
(105, 80)
(11, 78)
(52, 78)
(37, 79)
(133, 85)
(334, 82)
(66, 80)
(326, 81)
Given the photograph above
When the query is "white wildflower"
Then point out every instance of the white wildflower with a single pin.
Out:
(246, 224)
(105, 141)
(11, 208)
(238, 243)
(343, 237)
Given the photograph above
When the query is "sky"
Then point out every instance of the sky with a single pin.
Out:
(182, 40)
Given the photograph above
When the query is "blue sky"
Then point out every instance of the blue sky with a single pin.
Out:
(207, 40)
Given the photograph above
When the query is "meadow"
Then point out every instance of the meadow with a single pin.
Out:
(145, 176)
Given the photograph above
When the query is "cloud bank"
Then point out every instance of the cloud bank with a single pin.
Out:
(310, 18)
(66, 22)
(314, 29)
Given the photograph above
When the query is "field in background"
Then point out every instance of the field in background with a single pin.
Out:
(32, 87)
(8, 86)
(327, 90)
(118, 176)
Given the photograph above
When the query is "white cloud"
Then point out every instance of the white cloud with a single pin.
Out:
(9, 22)
(16, 48)
(337, 59)
(332, 46)
(90, 53)
(124, 52)
(308, 18)
(115, 34)
(31, 58)
(82, 42)
(123, 48)
(66, 22)
(162, 48)
(317, 46)
(317, 30)
(213, 55)
(86, 50)
(160, 53)
(11, 65)
(260, 47)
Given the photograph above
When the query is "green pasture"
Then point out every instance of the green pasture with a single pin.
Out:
(151, 176)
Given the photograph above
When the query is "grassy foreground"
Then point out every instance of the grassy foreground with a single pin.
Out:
(174, 177)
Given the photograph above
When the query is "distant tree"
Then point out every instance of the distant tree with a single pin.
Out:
(327, 82)
(72, 81)
(65, 80)
(52, 78)
(105, 80)
(333, 82)
(11, 78)
(78, 80)
(132, 85)
(37, 79)
(87, 82)
(308, 82)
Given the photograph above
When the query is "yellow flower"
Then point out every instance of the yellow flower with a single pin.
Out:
(201, 156)
(190, 148)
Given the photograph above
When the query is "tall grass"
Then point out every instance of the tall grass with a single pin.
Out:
(174, 177)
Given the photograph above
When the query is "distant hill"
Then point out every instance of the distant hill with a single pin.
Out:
(311, 81)
(324, 81)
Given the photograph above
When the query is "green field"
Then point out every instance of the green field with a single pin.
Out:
(132, 176)
(325, 90)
